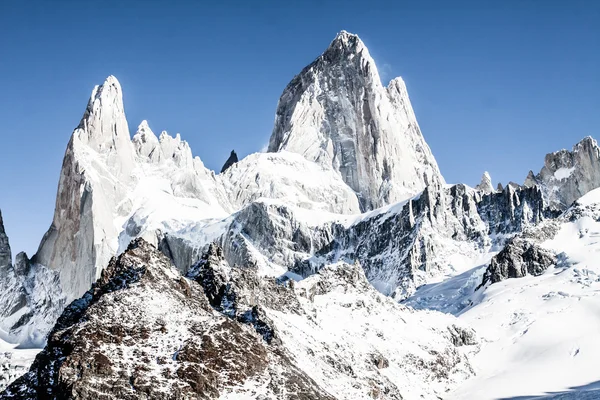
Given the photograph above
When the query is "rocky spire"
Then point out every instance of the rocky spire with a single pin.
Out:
(104, 128)
(145, 142)
(233, 158)
(337, 113)
(486, 184)
(96, 169)
(530, 181)
(5, 253)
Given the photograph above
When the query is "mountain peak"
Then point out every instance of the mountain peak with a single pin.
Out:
(344, 47)
(486, 183)
(347, 38)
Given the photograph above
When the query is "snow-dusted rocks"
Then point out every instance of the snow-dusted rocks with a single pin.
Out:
(485, 186)
(337, 113)
(236, 335)
(402, 246)
(568, 175)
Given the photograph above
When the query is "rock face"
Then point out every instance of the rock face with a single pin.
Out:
(233, 158)
(5, 253)
(519, 258)
(568, 175)
(98, 163)
(235, 335)
(105, 177)
(337, 113)
(401, 248)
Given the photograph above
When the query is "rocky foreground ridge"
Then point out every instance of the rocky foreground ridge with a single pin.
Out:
(145, 331)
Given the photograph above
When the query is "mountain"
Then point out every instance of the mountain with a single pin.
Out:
(337, 113)
(296, 273)
(236, 335)
(568, 175)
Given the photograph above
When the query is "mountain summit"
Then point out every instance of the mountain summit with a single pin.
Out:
(337, 113)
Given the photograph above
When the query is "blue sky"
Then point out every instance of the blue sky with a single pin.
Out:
(495, 84)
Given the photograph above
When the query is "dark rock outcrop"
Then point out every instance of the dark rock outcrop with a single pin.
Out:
(233, 158)
(520, 257)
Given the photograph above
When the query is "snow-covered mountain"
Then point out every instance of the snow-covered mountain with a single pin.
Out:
(299, 256)
(337, 113)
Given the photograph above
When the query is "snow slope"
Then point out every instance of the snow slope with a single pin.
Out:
(540, 334)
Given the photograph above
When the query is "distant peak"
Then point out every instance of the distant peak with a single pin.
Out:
(233, 158)
(112, 80)
(587, 141)
(486, 183)
(143, 127)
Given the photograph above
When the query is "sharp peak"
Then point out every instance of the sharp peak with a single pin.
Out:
(347, 41)
(345, 36)
(585, 140)
(110, 82)
(143, 126)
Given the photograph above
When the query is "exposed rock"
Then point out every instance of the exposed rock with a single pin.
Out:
(80, 240)
(30, 297)
(499, 188)
(337, 113)
(233, 158)
(519, 258)
(530, 181)
(5, 252)
(123, 340)
(401, 248)
(568, 175)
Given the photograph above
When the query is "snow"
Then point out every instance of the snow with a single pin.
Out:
(563, 173)
(540, 334)
(14, 361)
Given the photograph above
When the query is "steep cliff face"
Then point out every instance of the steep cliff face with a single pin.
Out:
(337, 113)
(440, 230)
(568, 175)
(145, 331)
(95, 174)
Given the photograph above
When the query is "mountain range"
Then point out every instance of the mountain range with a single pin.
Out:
(337, 264)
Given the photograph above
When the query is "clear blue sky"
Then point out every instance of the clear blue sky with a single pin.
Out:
(495, 84)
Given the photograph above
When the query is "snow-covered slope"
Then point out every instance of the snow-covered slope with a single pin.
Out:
(539, 329)
(337, 113)
(291, 178)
